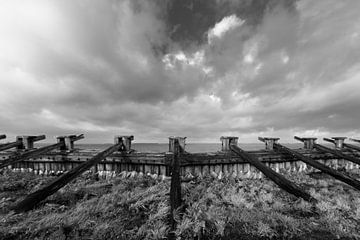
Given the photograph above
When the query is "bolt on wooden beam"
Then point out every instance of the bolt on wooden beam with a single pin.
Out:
(269, 142)
(68, 141)
(181, 142)
(125, 142)
(27, 142)
(226, 141)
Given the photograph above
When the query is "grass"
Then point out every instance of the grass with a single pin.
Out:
(128, 208)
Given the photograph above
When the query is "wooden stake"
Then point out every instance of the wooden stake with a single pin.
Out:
(175, 189)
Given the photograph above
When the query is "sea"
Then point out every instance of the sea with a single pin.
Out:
(189, 147)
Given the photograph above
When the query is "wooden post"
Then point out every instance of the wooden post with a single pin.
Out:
(27, 142)
(269, 142)
(68, 141)
(309, 143)
(125, 142)
(180, 141)
(175, 188)
(339, 142)
(226, 141)
(34, 198)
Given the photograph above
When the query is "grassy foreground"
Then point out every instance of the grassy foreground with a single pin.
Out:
(123, 208)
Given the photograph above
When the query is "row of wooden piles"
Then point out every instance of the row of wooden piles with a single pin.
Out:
(130, 163)
(180, 163)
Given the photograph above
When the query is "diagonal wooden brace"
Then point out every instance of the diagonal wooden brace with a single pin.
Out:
(68, 141)
(269, 142)
(355, 140)
(27, 142)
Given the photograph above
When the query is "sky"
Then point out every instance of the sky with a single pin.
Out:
(194, 68)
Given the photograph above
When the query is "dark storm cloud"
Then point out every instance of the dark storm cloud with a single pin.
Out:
(189, 20)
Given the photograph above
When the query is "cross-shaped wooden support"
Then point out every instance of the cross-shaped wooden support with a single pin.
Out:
(226, 141)
(27, 142)
(125, 142)
(68, 141)
(339, 142)
(173, 148)
(269, 142)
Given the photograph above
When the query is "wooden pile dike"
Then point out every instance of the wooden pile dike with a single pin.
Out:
(223, 163)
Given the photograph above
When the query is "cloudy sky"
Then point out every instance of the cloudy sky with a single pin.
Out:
(195, 68)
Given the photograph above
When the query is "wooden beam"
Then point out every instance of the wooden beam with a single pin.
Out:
(27, 142)
(68, 141)
(351, 146)
(332, 172)
(2, 136)
(280, 180)
(34, 198)
(337, 153)
(355, 140)
(29, 154)
(7, 146)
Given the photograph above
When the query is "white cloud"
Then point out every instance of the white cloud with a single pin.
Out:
(227, 24)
